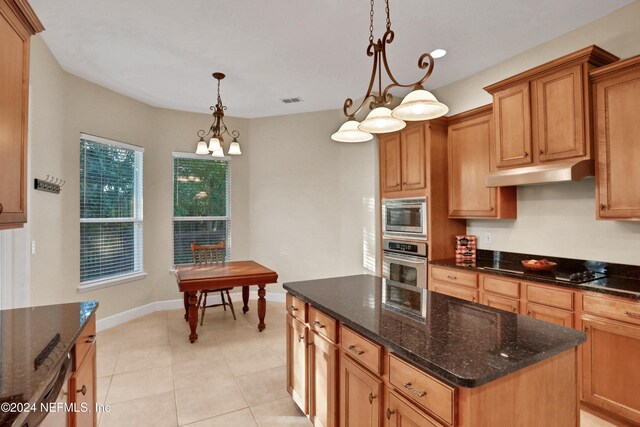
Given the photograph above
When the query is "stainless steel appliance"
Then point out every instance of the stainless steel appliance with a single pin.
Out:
(405, 262)
(404, 218)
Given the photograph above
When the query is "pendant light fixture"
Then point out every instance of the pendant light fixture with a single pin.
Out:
(419, 104)
(217, 130)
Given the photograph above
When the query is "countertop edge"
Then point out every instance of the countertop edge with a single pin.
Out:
(427, 366)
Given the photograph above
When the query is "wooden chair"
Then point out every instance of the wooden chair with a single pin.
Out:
(209, 254)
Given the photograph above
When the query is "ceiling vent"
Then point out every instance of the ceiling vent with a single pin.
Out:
(291, 100)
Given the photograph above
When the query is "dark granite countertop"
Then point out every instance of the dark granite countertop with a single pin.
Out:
(622, 280)
(463, 343)
(24, 334)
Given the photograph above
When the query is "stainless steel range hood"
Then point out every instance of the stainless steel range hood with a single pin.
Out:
(572, 170)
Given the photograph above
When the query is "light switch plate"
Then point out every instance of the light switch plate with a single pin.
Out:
(487, 238)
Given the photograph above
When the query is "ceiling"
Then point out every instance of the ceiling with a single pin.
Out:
(162, 52)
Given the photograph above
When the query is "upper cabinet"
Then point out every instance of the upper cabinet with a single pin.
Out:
(616, 97)
(17, 24)
(542, 115)
(470, 146)
(403, 162)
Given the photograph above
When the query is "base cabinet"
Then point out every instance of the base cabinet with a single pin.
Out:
(82, 392)
(609, 369)
(360, 396)
(550, 314)
(297, 362)
(323, 382)
(401, 413)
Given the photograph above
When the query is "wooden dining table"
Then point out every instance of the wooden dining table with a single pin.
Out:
(200, 277)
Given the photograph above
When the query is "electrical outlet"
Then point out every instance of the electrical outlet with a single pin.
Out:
(33, 247)
(487, 237)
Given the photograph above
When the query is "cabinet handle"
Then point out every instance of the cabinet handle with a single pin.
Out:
(300, 337)
(415, 391)
(586, 329)
(371, 397)
(529, 312)
(91, 339)
(318, 324)
(1, 208)
(292, 309)
(452, 277)
(541, 152)
(632, 314)
(389, 413)
(603, 207)
(355, 350)
(473, 299)
(83, 390)
(526, 154)
(514, 310)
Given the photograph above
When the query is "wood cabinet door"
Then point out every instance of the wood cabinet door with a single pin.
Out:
(360, 395)
(390, 167)
(323, 399)
(550, 314)
(469, 147)
(610, 374)
(82, 392)
(512, 114)
(297, 362)
(559, 118)
(414, 161)
(401, 413)
(502, 303)
(14, 97)
(617, 131)
(454, 291)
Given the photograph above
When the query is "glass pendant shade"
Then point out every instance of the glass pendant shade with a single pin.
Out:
(349, 132)
(218, 152)
(380, 120)
(202, 147)
(214, 144)
(419, 105)
(234, 148)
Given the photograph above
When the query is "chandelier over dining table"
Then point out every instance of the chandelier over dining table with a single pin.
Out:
(419, 104)
(217, 130)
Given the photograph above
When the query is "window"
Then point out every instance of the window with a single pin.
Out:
(201, 204)
(110, 210)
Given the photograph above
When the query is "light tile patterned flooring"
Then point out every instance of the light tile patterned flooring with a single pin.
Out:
(151, 375)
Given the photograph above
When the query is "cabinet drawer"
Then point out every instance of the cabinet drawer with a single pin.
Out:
(297, 308)
(323, 324)
(627, 311)
(507, 288)
(458, 277)
(501, 303)
(433, 395)
(454, 291)
(361, 349)
(85, 341)
(550, 296)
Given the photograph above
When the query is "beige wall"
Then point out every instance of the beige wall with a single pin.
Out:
(557, 219)
(63, 106)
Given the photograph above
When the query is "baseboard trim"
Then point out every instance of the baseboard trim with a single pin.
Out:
(175, 304)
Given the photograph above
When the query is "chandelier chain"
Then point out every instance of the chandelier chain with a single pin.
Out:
(386, 9)
(371, 23)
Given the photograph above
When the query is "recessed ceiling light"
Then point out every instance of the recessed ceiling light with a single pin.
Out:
(438, 53)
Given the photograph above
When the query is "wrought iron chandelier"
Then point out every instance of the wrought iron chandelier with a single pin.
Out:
(217, 130)
(419, 104)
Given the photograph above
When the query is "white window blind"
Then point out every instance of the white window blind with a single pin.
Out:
(201, 204)
(110, 209)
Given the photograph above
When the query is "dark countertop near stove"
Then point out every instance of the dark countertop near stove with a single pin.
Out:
(33, 344)
(622, 280)
(460, 342)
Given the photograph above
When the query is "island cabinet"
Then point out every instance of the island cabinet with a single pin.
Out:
(610, 375)
(403, 162)
(470, 156)
(18, 23)
(297, 362)
(543, 114)
(616, 94)
(82, 384)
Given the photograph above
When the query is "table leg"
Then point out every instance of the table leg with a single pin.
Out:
(262, 306)
(245, 298)
(186, 306)
(193, 315)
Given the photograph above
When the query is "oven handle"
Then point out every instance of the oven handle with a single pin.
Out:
(407, 258)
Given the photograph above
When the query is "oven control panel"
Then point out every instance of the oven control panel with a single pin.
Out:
(409, 248)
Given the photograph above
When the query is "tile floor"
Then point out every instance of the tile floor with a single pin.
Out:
(151, 375)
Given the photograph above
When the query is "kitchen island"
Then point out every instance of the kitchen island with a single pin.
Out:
(360, 349)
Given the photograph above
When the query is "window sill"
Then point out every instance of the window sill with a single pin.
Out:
(118, 280)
